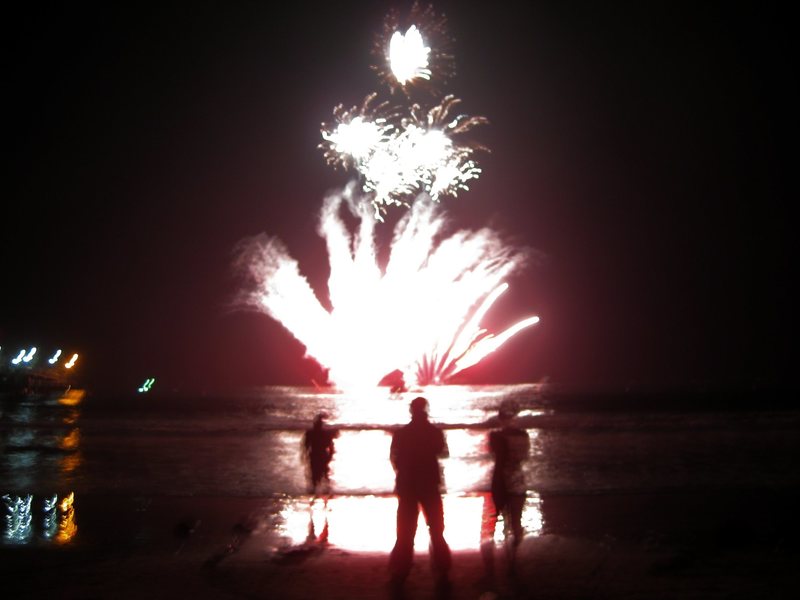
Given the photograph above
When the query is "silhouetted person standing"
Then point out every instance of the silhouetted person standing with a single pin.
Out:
(319, 449)
(415, 452)
(510, 446)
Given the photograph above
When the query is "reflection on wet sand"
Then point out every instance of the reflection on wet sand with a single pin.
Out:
(67, 528)
(57, 519)
(367, 523)
(361, 515)
(71, 440)
(18, 520)
(72, 397)
(30, 518)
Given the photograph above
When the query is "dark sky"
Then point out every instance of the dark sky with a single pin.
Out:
(642, 152)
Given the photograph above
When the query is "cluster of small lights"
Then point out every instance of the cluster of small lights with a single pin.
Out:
(26, 356)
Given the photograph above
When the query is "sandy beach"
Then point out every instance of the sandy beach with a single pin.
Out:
(226, 548)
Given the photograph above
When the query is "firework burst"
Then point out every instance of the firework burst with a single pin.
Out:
(401, 157)
(357, 133)
(412, 149)
(414, 52)
(421, 313)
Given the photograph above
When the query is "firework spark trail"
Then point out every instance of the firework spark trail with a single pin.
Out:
(420, 314)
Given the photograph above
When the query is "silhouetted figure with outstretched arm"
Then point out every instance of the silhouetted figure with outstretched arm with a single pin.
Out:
(415, 452)
(319, 449)
(510, 446)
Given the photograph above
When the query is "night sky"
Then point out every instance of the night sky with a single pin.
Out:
(642, 153)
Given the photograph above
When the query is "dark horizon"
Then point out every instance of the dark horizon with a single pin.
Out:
(643, 154)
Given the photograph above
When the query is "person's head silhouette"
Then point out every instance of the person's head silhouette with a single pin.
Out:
(507, 411)
(419, 408)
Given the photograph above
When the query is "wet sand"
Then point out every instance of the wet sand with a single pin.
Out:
(727, 544)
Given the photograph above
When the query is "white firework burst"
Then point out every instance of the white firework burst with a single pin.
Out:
(408, 56)
(420, 314)
(413, 52)
(419, 153)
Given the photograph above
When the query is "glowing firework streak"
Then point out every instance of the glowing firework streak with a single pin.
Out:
(420, 314)
(71, 362)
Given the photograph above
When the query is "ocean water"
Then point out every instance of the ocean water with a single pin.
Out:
(59, 450)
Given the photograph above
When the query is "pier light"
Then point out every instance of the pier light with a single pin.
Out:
(145, 387)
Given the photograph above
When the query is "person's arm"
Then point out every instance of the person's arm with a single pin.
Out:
(330, 448)
(393, 452)
(444, 451)
(493, 443)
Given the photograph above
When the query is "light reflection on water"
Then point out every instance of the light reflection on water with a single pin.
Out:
(25, 516)
(361, 460)
(71, 440)
(456, 404)
(367, 523)
(361, 515)
(255, 449)
(42, 442)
